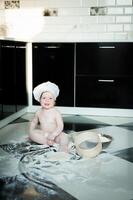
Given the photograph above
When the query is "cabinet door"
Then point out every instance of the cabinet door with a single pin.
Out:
(1, 108)
(104, 59)
(13, 77)
(105, 74)
(20, 84)
(104, 93)
(8, 78)
(55, 62)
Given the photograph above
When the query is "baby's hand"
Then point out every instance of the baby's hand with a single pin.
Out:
(50, 142)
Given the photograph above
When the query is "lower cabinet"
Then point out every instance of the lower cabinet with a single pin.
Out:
(1, 108)
(13, 77)
(8, 78)
(104, 93)
(104, 74)
(88, 74)
(55, 62)
(20, 85)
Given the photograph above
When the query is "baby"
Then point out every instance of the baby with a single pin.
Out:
(47, 124)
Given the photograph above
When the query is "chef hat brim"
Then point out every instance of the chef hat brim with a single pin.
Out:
(45, 87)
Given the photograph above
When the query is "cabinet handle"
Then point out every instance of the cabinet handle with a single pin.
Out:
(52, 47)
(107, 47)
(106, 80)
(8, 46)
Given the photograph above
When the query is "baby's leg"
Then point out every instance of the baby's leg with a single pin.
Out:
(62, 139)
(38, 136)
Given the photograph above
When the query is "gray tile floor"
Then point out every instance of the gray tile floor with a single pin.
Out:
(25, 175)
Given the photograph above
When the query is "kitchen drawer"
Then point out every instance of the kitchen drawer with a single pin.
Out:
(104, 93)
(104, 59)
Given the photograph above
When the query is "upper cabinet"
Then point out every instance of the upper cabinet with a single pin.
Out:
(55, 62)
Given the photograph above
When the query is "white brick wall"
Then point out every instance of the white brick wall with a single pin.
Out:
(110, 20)
(106, 19)
(73, 11)
(115, 27)
(129, 10)
(124, 2)
(106, 3)
(128, 27)
(115, 11)
(89, 3)
(123, 19)
(51, 3)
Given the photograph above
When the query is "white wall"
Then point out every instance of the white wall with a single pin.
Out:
(71, 20)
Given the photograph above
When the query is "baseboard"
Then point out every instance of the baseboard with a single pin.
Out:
(91, 111)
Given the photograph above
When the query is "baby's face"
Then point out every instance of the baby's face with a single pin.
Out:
(47, 100)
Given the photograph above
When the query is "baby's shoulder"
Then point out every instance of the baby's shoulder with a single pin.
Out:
(38, 112)
(57, 112)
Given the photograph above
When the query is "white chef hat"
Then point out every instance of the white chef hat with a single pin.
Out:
(45, 87)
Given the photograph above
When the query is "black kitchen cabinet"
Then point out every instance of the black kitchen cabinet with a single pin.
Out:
(8, 78)
(13, 77)
(89, 74)
(1, 106)
(111, 93)
(21, 93)
(55, 62)
(104, 75)
(104, 59)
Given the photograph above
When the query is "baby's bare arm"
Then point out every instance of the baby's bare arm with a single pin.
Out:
(35, 133)
(34, 123)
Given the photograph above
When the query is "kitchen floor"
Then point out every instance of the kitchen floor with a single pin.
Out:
(26, 173)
